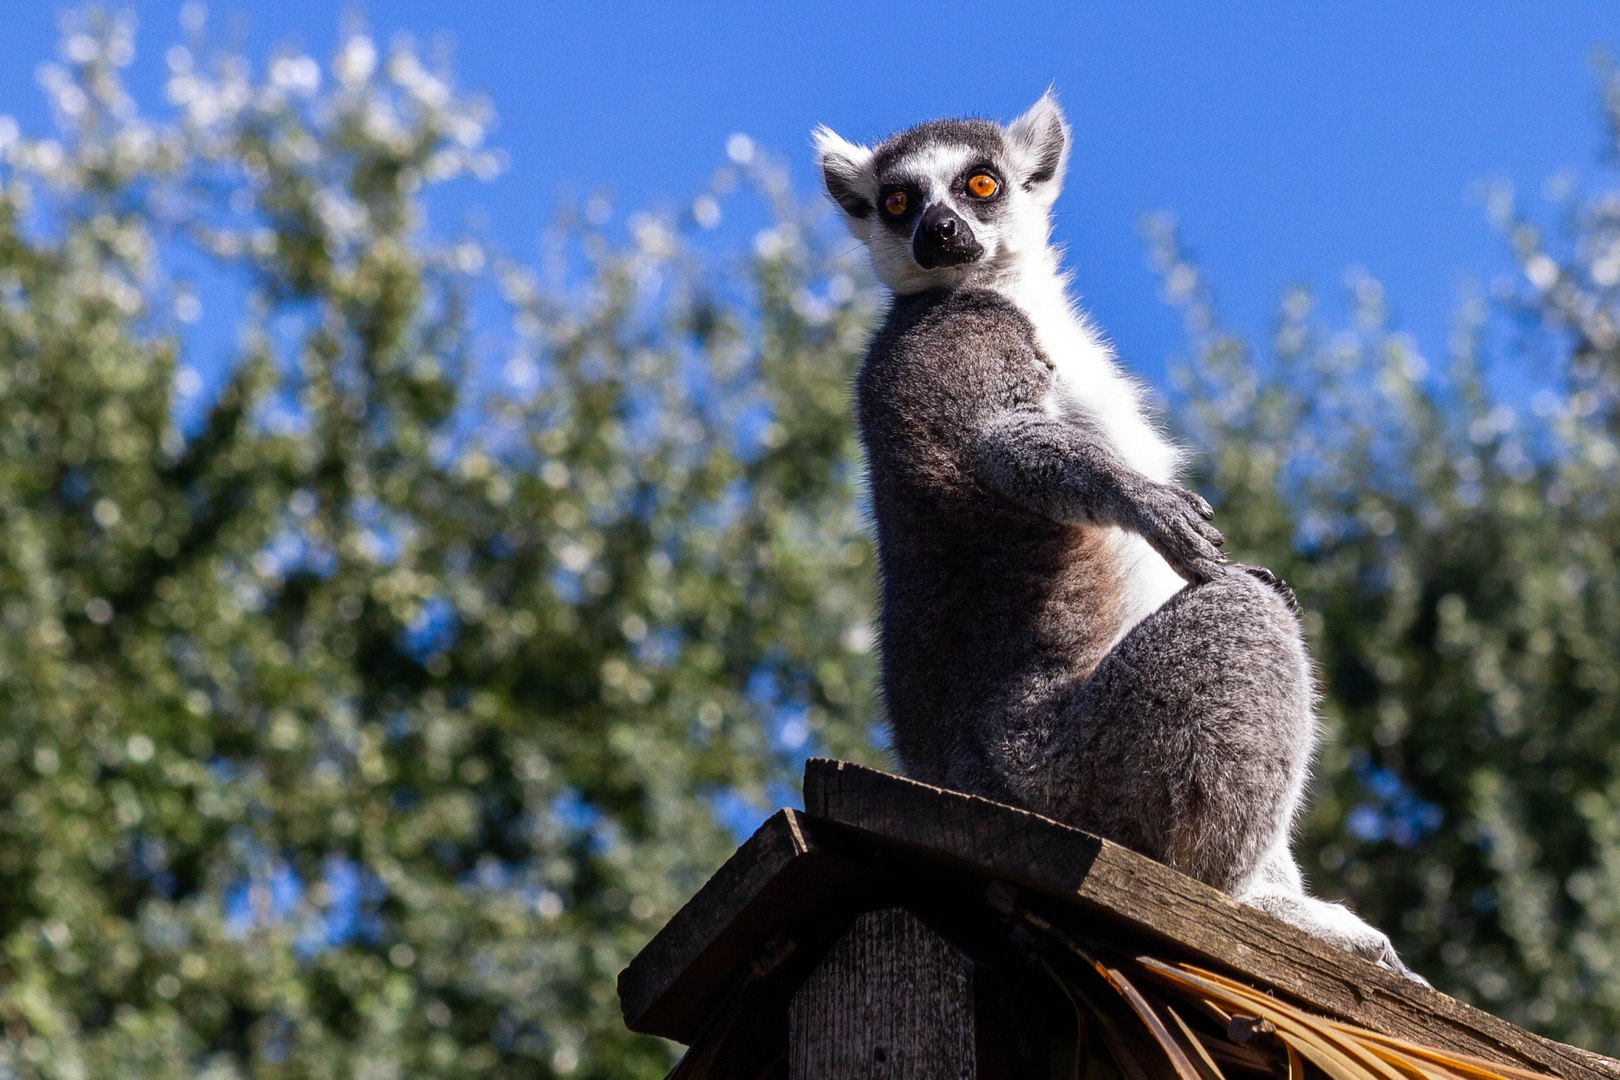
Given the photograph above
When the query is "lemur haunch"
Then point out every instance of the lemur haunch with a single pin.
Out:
(1058, 628)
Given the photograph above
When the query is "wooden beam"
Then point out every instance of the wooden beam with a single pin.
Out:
(668, 988)
(1202, 924)
(792, 885)
(890, 999)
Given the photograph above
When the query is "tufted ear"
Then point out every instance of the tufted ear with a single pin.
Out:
(846, 169)
(1039, 142)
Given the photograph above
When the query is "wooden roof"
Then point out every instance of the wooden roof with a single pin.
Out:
(868, 839)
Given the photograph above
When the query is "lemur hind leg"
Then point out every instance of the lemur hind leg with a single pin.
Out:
(1278, 890)
(1191, 740)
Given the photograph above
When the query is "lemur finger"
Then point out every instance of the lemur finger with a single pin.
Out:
(1189, 553)
(1196, 501)
(1198, 571)
(1168, 520)
(1200, 536)
(1204, 535)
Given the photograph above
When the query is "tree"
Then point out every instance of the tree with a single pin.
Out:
(1458, 557)
(363, 718)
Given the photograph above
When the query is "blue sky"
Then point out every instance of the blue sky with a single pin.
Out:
(1292, 142)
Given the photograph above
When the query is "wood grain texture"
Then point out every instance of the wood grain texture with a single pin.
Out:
(979, 833)
(703, 922)
(891, 999)
(794, 877)
(1124, 890)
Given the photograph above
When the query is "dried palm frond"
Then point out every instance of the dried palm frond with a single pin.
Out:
(1269, 1036)
(1253, 1032)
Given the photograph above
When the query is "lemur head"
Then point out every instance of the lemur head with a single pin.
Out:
(951, 202)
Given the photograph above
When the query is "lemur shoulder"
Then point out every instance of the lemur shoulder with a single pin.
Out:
(1058, 626)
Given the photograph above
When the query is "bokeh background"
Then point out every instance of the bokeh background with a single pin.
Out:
(1292, 143)
(434, 535)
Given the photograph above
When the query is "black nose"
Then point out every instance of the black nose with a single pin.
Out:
(943, 239)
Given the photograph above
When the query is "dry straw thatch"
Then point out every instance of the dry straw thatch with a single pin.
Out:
(1177, 1021)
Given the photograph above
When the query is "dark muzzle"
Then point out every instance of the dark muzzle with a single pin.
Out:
(943, 239)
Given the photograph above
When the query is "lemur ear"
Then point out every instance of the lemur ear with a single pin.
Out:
(1039, 141)
(846, 169)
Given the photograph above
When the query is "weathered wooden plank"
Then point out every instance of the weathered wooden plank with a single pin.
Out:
(890, 999)
(745, 1036)
(790, 876)
(978, 832)
(1148, 898)
(672, 954)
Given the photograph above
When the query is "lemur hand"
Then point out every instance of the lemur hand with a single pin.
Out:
(1176, 522)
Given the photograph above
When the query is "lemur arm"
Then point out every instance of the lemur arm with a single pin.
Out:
(1065, 470)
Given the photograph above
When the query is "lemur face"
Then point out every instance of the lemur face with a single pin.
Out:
(950, 202)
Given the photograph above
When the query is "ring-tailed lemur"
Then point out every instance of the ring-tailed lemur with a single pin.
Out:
(1058, 628)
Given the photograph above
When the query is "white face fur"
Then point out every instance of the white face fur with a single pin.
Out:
(953, 202)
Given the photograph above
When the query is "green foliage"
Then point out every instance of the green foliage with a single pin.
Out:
(1458, 556)
(368, 725)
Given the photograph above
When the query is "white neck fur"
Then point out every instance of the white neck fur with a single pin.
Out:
(1085, 363)
(1089, 373)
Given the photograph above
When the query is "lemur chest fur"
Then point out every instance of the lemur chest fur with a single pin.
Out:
(971, 581)
(1085, 375)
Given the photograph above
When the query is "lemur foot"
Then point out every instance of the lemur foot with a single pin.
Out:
(1334, 924)
(1176, 522)
(1282, 587)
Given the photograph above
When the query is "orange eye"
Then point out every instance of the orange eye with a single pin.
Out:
(983, 186)
(895, 203)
